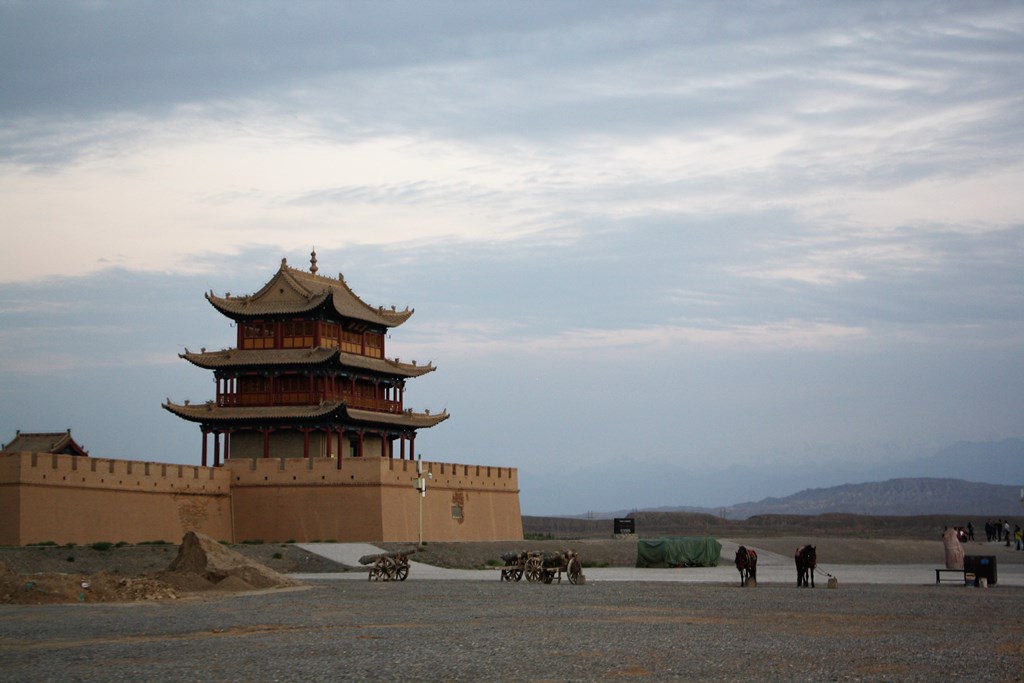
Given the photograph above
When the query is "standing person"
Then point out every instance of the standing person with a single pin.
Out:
(1017, 536)
(1006, 531)
(970, 531)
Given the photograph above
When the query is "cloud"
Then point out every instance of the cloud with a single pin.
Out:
(690, 232)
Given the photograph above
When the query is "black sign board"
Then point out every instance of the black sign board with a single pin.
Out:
(625, 525)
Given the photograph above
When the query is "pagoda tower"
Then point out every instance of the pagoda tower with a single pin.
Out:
(309, 377)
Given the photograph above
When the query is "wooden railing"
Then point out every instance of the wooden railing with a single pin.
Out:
(301, 398)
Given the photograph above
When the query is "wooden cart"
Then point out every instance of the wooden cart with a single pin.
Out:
(393, 566)
(542, 567)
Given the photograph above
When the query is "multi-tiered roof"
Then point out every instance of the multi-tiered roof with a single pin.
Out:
(310, 356)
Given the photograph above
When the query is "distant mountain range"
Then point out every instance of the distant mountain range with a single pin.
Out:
(916, 496)
(951, 487)
(911, 496)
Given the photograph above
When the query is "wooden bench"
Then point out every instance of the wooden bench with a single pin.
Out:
(962, 575)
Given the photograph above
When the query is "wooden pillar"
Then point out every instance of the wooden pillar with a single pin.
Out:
(227, 445)
(327, 434)
(204, 446)
(216, 448)
(362, 452)
(305, 442)
(340, 436)
(266, 443)
(412, 446)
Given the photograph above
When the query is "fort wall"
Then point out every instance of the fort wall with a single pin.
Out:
(372, 499)
(68, 499)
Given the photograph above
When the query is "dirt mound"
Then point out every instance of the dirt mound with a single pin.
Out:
(42, 589)
(202, 565)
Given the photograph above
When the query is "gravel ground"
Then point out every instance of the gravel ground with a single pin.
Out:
(469, 631)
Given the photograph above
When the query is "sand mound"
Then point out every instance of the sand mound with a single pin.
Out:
(204, 564)
(50, 588)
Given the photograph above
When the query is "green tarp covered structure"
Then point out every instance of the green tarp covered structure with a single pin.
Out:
(682, 551)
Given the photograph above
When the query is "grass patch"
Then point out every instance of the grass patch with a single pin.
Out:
(102, 546)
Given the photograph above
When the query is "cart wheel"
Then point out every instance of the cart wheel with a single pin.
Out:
(387, 569)
(574, 570)
(534, 570)
(401, 571)
(517, 573)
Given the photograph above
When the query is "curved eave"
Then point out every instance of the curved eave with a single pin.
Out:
(321, 356)
(210, 413)
(406, 419)
(242, 307)
(346, 302)
(295, 292)
(234, 358)
(384, 365)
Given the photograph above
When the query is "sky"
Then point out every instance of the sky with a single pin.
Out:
(661, 253)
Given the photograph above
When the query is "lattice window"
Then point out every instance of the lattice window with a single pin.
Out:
(374, 344)
(258, 335)
(330, 335)
(298, 334)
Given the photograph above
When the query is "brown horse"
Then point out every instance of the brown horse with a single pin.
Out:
(806, 557)
(746, 563)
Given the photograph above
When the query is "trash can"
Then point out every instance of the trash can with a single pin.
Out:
(982, 566)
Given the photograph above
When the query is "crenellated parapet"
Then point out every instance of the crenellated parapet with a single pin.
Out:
(111, 474)
(369, 472)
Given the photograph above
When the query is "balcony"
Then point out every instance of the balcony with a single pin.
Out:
(303, 398)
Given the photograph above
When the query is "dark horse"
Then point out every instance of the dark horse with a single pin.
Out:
(746, 563)
(806, 557)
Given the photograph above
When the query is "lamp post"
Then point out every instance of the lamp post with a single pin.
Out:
(421, 487)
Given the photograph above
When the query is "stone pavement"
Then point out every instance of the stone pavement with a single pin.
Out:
(772, 569)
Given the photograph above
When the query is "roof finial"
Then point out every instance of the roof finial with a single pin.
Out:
(312, 261)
